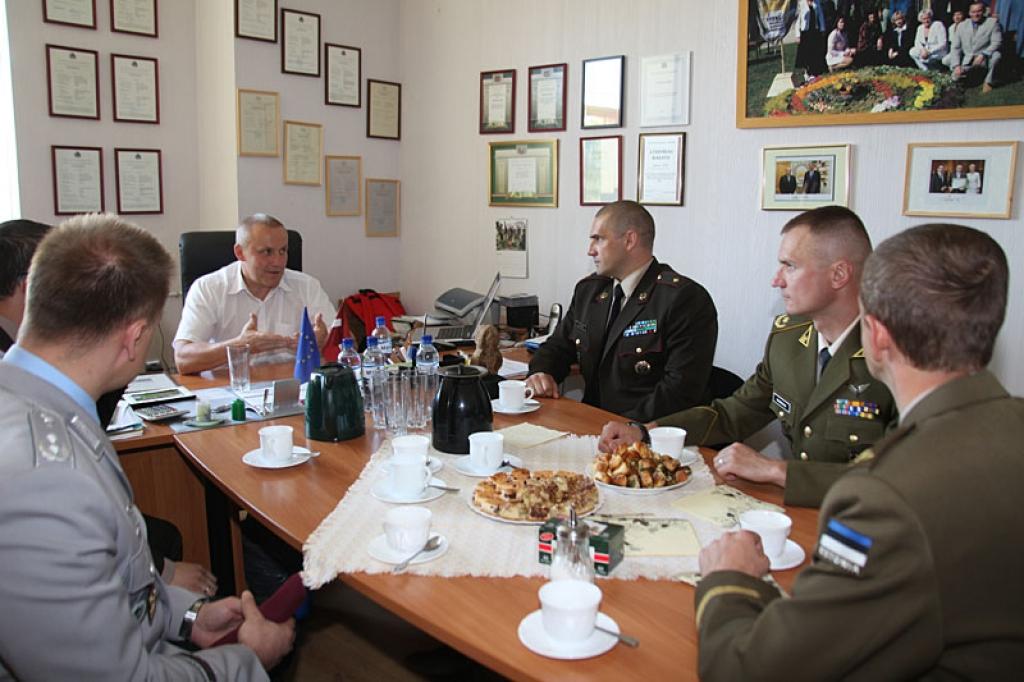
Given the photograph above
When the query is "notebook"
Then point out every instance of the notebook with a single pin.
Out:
(464, 332)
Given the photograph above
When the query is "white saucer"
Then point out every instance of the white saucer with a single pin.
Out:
(465, 466)
(792, 556)
(196, 424)
(255, 458)
(381, 551)
(530, 405)
(382, 491)
(434, 463)
(536, 639)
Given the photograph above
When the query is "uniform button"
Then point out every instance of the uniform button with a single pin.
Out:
(803, 456)
(639, 349)
(854, 438)
(807, 432)
(578, 341)
(138, 531)
(128, 508)
(152, 569)
(781, 414)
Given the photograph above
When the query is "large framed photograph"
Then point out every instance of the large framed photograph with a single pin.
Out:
(603, 92)
(788, 75)
(300, 43)
(343, 84)
(383, 207)
(303, 149)
(662, 160)
(135, 16)
(547, 97)
(73, 82)
(665, 90)
(498, 101)
(80, 13)
(256, 20)
(77, 179)
(138, 175)
(600, 170)
(960, 179)
(136, 88)
(383, 109)
(344, 182)
(800, 178)
(259, 115)
(524, 173)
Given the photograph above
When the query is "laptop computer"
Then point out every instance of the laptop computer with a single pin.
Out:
(465, 332)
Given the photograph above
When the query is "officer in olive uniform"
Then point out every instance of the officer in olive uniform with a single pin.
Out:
(643, 357)
(917, 569)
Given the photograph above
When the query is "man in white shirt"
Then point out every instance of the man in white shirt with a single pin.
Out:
(255, 300)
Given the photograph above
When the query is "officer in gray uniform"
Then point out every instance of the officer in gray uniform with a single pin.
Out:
(81, 597)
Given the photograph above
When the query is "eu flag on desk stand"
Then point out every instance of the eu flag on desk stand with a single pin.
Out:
(307, 354)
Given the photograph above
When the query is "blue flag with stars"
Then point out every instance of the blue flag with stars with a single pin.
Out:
(307, 354)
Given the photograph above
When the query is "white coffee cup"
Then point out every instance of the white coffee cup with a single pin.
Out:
(668, 440)
(412, 448)
(409, 478)
(486, 450)
(512, 394)
(407, 528)
(276, 443)
(569, 609)
(773, 527)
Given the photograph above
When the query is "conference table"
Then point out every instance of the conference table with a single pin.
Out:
(477, 616)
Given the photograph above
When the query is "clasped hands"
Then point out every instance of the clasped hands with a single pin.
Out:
(269, 640)
(264, 341)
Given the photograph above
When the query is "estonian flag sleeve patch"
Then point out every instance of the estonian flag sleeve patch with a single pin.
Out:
(844, 547)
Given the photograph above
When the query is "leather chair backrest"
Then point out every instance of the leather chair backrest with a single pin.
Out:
(723, 383)
(203, 252)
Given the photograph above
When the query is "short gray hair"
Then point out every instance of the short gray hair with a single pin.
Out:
(244, 230)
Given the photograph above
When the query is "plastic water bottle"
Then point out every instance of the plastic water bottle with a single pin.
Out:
(383, 336)
(373, 396)
(427, 362)
(349, 357)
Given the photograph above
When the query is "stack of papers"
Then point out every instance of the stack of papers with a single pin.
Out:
(124, 421)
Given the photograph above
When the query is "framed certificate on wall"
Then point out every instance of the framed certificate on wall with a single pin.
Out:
(344, 182)
(383, 208)
(498, 101)
(134, 16)
(303, 147)
(138, 175)
(77, 179)
(547, 97)
(259, 114)
(384, 109)
(343, 84)
(80, 13)
(256, 20)
(136, 88)
(300, 43)
(73, 77)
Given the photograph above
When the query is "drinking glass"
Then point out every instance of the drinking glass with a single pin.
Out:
(238, 367)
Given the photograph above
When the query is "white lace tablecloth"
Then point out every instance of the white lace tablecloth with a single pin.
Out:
(480, 546)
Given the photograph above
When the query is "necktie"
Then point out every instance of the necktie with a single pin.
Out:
(823, 357)
(613, 312)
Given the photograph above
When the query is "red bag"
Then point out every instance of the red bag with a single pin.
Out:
(358, 315)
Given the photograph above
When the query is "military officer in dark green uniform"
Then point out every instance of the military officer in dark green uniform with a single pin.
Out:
(643, 335)
(813, 377)
(917, 572)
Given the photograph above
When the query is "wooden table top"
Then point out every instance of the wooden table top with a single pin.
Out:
(478, 616)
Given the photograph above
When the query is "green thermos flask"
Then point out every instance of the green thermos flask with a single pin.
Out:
(334, 406)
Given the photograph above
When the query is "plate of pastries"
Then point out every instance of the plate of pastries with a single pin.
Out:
(638, 470)
(532, 497)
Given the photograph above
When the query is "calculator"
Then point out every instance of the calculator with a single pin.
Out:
(155, 413)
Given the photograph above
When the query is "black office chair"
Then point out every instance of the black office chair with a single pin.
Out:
(203, 252)
(722, 383)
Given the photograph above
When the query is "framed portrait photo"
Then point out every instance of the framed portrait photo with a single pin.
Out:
(135, 16)
(300, 43)
(80, 13)
(960, 179)
(344, 68)
(256, 20)
(73, 82)
(383, 207)
(603, 92)
(384, 109)
(600, 170)
(547, 97)
(498, 101)
(139, 180)
(662, 160)
(77, 179)
(524, 173)
(136, 88)
(800, 178)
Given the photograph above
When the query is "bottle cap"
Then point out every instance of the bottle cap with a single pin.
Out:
(427, 338)
(371, 341)
(380, 321)
(347, 343)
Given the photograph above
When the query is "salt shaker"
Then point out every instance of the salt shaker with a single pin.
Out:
(571, 560)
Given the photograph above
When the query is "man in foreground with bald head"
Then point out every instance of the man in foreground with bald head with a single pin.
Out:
(813, 377)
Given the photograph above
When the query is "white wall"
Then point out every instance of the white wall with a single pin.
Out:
(719, 237)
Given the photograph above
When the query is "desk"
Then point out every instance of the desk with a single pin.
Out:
(477, 616)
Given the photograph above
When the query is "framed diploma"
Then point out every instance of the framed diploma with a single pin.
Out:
(600, 170)
(259, 115)
(77, 180)
(602, 92)
(659, 178)
(81, 13)
(344, 181)
(256, 20)
(547, 97)
(343, 85)
(300, 43)
(384, 109)
(383, 210)
(136, 87)
(303, 148)
(498, 101)
(138, 174)
(73, 78)
(134, 16)
(524, 173)
(665, 90)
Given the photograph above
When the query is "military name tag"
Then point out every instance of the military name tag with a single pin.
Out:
(844, 547)
(782, 402)
(641, 328)
(864, 409)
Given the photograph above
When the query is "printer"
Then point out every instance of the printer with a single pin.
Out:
(521, 310)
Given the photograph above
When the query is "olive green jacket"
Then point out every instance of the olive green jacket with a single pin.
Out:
(828, 422)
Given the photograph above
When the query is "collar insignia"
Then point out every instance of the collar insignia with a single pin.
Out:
(805, 338)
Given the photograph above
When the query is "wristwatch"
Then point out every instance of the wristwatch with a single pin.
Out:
(185, 632)
(645, 436)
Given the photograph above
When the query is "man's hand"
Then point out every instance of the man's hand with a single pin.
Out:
(543, 385)
(320, 329)
(270, 640)
(979, 60)
(615, 434)
(261, 342)
(216, 619)
(735, 551)
(193, 578)
(740, 461)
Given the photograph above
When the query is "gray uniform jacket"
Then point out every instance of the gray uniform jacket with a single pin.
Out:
(80, 597)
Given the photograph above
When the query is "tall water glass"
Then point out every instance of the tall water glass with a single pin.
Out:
(417, 410)
(377, 384)
(396, 390)
(238, 367)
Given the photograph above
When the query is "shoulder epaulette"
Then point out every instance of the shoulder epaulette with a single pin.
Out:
(785, 322)
(670, 277)
(51, 442)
